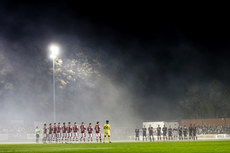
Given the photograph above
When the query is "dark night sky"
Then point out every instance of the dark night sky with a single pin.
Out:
(150, 48)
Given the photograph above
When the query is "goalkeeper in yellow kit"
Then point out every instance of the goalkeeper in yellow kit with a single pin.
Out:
(106, 127)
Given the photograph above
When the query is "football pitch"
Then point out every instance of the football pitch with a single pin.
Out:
(126, 147)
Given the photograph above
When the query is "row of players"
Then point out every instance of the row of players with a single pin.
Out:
(169, 133)
(69, 134)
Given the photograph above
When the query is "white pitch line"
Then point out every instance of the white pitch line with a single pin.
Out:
(58, 150)
(88, 148)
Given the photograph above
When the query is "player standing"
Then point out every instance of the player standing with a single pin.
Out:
(170, 132)
(106, 127)
(150, 129)
(64, 128)
(44, 133)
(180, 133)
(50, 133)
(58, 132)
(137, 131)
(98, 131)
(144, 133)
(158, 133)
(69, 133)
(194, 130)
(90, 132)
(75, 131)
(185, 131)
(55, 132)
(82, 128)
(190, 131)
(164, 129)
(175, 132)
(37, 132)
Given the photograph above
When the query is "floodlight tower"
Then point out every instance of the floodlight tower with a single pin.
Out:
(54, 50)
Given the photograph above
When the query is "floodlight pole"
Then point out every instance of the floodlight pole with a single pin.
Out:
(54, 52)
(54, 98)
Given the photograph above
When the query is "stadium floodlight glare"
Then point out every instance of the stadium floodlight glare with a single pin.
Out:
(54, 49)
(52, 56)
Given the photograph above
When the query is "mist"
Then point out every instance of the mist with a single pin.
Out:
(26, 93)
(125, 90)
(125, 71)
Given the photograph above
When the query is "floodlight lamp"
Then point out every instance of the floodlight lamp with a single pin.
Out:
(54, 49)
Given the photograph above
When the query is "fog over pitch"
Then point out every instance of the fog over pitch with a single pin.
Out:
(126, 66)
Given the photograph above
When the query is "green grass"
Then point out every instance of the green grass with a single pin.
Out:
(132, 147)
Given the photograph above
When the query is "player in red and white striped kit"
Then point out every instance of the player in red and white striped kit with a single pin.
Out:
(50, 132)
(69, 133)
(75, 131)
(64, 128)
(58, 132)
(44, 133)
(82, 128)
(55, 132)
(98, 131)
(90, 132)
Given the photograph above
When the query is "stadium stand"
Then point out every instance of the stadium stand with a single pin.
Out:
(214, 122)
(210, 126)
